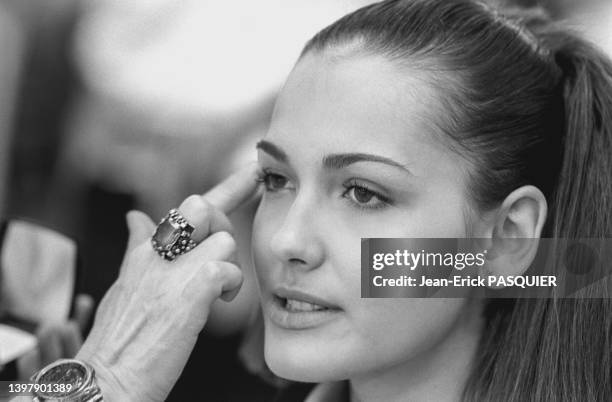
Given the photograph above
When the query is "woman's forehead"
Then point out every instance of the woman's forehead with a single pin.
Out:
(358, 79)
(357, 104)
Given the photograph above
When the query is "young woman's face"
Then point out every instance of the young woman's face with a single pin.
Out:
(350, 154)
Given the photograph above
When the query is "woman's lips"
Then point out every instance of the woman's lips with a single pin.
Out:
(300, 296)
(292, 309)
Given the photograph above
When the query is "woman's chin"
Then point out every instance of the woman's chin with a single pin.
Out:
(308, 371)
(303, 364)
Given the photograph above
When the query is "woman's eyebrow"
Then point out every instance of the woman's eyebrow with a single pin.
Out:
(273, 150)
(339, 161)
(332, 161)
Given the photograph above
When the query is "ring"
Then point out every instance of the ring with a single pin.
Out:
(173, 236)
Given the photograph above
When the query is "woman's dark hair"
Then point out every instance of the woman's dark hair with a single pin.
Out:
(528, 103)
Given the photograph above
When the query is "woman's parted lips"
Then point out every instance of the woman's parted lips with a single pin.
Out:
(295, 294)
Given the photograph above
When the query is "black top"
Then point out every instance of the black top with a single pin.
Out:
(296, 392)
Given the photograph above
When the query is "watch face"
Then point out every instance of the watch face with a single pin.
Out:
(62, 380)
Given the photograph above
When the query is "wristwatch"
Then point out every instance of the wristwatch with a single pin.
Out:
(66, 380)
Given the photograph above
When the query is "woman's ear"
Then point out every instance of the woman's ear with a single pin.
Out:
(515, 231)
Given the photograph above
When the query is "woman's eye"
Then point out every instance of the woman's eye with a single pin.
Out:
(274, 182)
(363, 197)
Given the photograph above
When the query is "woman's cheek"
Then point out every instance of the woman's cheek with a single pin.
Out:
(257, 239)
(267, 219)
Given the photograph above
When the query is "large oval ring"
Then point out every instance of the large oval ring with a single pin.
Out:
(173, 236)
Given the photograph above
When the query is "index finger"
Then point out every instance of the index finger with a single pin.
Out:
(235, 190)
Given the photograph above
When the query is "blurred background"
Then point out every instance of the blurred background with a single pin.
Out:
(112, 105)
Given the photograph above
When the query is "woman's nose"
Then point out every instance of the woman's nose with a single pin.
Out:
(297, 242)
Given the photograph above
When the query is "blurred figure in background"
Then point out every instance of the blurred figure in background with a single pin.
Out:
(35, 278)
(44, 85)
(12, 45)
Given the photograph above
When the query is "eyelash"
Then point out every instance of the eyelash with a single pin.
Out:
(383, 201)
(267, 175)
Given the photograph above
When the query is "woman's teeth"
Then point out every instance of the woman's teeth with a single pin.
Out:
(297, 305)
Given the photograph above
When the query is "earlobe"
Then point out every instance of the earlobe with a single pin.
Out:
(516, 231)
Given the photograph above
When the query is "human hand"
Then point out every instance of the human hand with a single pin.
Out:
(149, 320)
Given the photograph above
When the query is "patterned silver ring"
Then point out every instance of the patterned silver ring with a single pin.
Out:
(173, 236)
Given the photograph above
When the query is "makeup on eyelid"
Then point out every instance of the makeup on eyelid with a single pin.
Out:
(361, 193)
(368, 181)
(382, 178)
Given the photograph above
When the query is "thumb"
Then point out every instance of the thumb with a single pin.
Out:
(141, 228)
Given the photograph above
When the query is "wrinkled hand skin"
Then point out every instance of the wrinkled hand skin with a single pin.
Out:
(148, 322)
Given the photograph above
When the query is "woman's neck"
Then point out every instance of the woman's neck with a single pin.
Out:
(439, 374)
